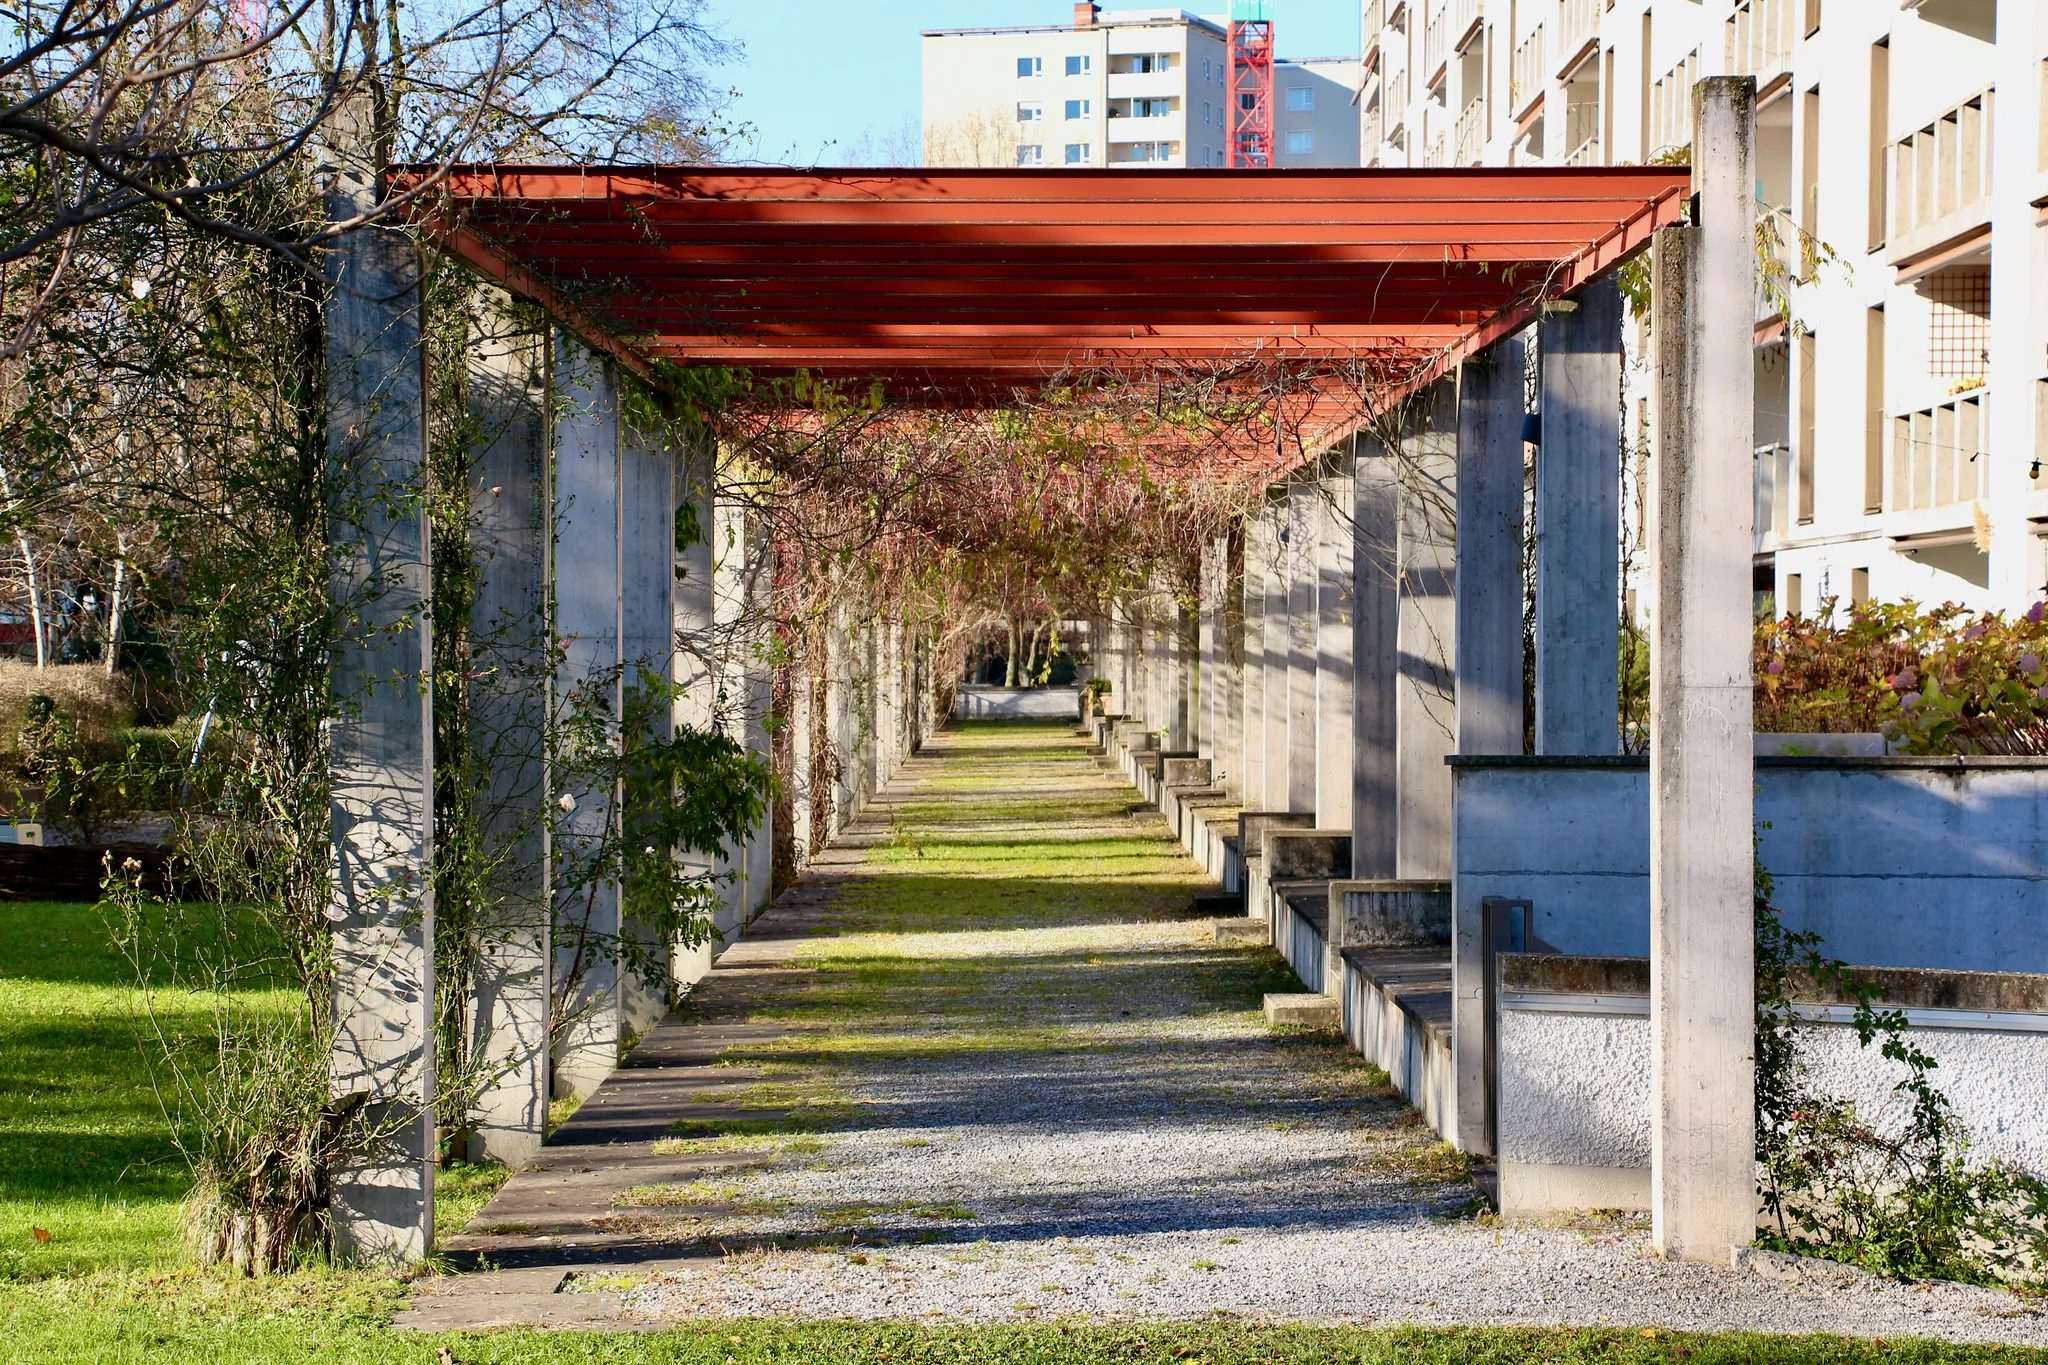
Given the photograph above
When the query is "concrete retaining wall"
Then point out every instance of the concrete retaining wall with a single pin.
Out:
(973, 702)
(1574, 1071)
(1897, 862)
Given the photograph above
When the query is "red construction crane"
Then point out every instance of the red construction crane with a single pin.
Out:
(1251, 85)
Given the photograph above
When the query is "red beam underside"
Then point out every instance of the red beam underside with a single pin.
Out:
(971, 280)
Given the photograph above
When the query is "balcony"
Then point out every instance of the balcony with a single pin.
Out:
(1394, 107)
(1375, 24)
(1578, 28)
(1940, 465)
(1528, 77)
(1941, 182)
(1774, 496)
(1125, 85)
(1471, 133)
(1759, 37)
(1465, 17)
(1587, 153)
(1438, 157)
(1433, 40)
(1146, 128)
(1671, 105)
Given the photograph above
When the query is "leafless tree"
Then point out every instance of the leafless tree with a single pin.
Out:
(190, 108)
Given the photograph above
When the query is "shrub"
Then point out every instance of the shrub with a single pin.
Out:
(1903, 1199)
(1940, 681)
(98, 705)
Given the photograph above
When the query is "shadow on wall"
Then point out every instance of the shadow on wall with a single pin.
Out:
(1895, 862)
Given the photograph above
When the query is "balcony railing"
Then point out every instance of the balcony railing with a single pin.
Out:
(1940, 455)
(1773, 496)
(1375, 23)
(1464, 14)
(1578, 23)
(1529, 76)
(1438, 156)
(1587, 153)
(1394, 105)
(1760, 38)
(1433, 40)
(1471, 133)
(1671, 105)
(1941, 179)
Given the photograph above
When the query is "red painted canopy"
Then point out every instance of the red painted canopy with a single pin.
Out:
(972, 281)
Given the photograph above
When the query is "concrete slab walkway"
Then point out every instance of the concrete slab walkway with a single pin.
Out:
(983, 1065)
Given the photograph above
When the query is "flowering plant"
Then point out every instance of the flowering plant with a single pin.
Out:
(1944, 680)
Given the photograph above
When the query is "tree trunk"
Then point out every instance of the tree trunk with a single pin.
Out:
(35, 599)
(1010, 664)
(117, 599)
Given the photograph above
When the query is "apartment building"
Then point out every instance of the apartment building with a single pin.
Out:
(1142, 87)
(1902, 378)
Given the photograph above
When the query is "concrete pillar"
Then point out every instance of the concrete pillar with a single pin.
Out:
(1425, 712)
(1578, 525)
(802, 664)
(647, 469)
(1702, 936)
(694, 632)
(587, 603)
(1187, 673)
(1489, 670)
(1489, 644)
(383, 734)
(1229, 691)
(2016, 427)
(511, 533)
(1334, 631)
(1375, 657)
(839, 716)
(1251, 731)
(1304, 527)
(1207, 638)
(1279, 658)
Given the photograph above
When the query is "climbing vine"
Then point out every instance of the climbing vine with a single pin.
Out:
(1902, 1197)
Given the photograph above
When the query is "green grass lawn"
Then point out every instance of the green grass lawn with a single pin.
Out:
(87, 1155)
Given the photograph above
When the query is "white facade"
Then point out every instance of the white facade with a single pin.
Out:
(1118, 88)
(1901, 418)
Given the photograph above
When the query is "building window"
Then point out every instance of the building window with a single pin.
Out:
(1078, 108)
(1155, 108)
(1078, 66)
(1301, 98)
(1208, 73)
(1030, 113)
(1030, 66)
(1077, 153)
(1030, 154)
(1300, 143)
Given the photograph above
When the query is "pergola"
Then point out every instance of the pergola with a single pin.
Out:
(962, 287)
(959, 283)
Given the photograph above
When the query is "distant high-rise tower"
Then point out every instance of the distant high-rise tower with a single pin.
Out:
(1250, 143)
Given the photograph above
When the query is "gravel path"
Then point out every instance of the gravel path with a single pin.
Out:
(1052, 1097)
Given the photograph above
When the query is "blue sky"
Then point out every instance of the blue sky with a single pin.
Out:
(836, 81)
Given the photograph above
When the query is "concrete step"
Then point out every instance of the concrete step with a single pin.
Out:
(1304, 1011)
(1242, 932)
